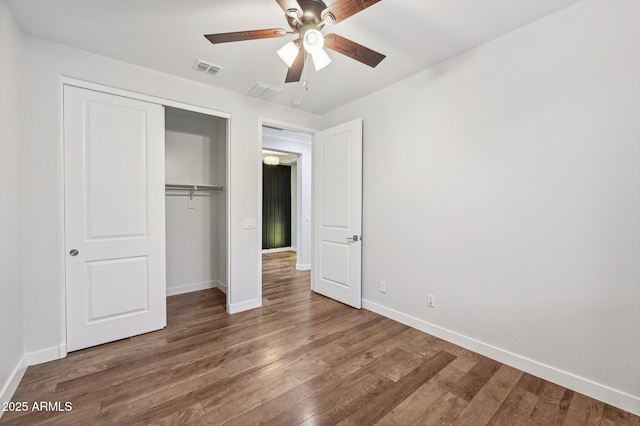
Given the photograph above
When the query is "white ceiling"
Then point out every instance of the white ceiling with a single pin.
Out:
(167, 35)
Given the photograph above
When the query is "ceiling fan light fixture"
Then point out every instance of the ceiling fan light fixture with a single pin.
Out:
(271, 160)
(288, 53)
(320, 59)
(313, 41)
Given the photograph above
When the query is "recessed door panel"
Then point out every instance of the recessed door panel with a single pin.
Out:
(335, 206)
(115, 170)
(335, 263)
(117, 287)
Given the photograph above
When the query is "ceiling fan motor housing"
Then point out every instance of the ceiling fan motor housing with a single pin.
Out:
(311, 13)
(312, 9)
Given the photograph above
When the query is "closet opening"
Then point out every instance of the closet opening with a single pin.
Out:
(196, 202)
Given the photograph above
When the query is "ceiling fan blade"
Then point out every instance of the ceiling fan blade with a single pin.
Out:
(295, 71)
(245, 35)
(353, 50)
(342, 9)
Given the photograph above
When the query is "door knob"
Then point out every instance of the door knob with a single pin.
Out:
(353, 239)
(74, 252)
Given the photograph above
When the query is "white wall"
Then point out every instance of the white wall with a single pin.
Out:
(297, 143)
(194, 145)
(11, 107)
(43, 212)
(506, 182)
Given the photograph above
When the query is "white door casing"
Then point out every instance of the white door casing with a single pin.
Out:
(337, 199)
(114, 217)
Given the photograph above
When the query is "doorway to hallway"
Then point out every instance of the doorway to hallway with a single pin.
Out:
(286, 193)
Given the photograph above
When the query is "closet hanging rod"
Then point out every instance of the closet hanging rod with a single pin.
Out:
(193, 187)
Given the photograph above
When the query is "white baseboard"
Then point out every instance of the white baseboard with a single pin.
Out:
(617, 398)
(46, 355)
(303, 266)
(244, 306)
(222, 286)
(63, 350)
(30, 358)
(10, 386)
(278, 250)
(188, 288)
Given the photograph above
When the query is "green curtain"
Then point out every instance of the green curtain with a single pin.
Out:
(276, 206)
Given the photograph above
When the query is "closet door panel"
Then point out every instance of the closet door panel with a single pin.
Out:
(114, 217)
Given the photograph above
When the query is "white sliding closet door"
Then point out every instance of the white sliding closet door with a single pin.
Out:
(114, 217)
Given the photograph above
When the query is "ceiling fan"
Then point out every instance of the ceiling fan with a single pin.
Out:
(306, 18)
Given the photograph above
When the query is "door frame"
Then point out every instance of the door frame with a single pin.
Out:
(264, 121)
(71, 81)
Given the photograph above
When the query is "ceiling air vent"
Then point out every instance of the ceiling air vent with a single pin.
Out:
(206, 67)
(264, 90)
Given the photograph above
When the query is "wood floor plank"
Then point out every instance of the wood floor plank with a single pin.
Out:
(192, 415)
(262, 387)
(329, 401)
(271, 408)
(402, 367)
(584, 411)
(487, 401)
(357, 372)
(347, 348)
(531, 384)
(516, 409)
(547, 410)
(476, 378)
(356, 397)
(443, 411)
(377, 359)
(376, 408)
(300, 359)
(614, 416)
(420, 343)
(411, 410)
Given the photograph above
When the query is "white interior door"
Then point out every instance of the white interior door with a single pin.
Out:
(114, 217)
(337, 198)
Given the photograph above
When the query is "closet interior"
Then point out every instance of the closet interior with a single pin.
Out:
(196, 201)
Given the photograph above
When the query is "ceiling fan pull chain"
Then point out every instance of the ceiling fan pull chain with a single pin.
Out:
(304, 74)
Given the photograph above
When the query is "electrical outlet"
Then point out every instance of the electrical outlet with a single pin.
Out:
(383, 286)
(431, 301)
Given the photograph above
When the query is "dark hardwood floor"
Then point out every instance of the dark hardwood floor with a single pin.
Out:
(301, 359)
